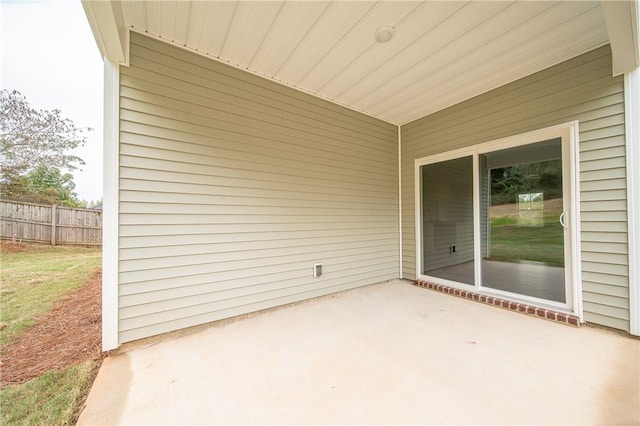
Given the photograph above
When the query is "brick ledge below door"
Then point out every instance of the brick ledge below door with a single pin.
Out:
(524, 308)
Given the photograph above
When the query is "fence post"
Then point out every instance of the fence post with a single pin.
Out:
(53, 225)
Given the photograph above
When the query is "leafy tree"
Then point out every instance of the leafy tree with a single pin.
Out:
(52, 186)
(508, 182)
(44, 185)
(34, 148)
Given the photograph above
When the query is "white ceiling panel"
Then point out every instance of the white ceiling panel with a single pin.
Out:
(182, 22)
(318, 42)
(168, 19)
(354, 43)
(466, 63)
(443, 52)
(290, 29)
(367, 71)
(152, 18)
(222, 18)
(441, 38)
(196, 23)
(204, 33)
(251, 23)
(511, 57)
(135, 12)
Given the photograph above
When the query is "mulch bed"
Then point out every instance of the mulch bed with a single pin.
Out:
(69, 334)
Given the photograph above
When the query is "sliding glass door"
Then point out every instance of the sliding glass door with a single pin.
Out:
(524, 239)
(447, 227)
(494, 219)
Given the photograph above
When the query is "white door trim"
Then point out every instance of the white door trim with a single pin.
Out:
(569, 134)
(574, 218)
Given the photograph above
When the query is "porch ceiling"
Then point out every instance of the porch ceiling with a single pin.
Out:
(442, 52)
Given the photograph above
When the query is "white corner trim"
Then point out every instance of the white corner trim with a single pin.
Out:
(400, 197)
(110, 206)
(632, 142)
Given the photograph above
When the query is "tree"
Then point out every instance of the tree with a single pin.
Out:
(97, 204)
(44, 185)
(50, 186)
(508, 182)
(35, 148)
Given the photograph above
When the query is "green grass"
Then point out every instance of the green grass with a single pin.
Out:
(34, 279)
(503, 221)
(513, 243)
(51, 399)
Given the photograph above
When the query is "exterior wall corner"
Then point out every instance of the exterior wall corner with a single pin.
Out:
(632, 130)
(110, 206)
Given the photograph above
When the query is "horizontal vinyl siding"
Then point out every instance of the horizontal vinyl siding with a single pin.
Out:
(579, 89)
(232, 187)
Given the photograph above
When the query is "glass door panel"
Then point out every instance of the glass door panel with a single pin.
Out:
(447, 220)
(522, 238)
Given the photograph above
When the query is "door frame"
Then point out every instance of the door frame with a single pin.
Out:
(568, 133)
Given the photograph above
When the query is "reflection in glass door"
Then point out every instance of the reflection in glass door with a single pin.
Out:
(523, 205)
(447, 220)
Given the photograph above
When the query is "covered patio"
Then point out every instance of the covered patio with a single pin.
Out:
(264, 153)
(266, 163)
(390, 353)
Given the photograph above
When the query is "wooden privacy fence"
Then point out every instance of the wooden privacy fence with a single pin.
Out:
(50, 224)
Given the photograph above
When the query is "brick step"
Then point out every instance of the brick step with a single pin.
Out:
(524, 308)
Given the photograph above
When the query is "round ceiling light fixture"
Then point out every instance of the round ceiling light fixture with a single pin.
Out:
(385, 33)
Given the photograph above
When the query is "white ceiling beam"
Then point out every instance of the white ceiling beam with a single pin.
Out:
(621, 18)
(109, 30)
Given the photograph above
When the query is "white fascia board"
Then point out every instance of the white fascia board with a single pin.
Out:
(632, 130)
(109, 30)
(621, 18)
(110, 206)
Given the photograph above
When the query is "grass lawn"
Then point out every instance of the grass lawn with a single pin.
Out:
(51, 399)
(33, 279)
(513, 243)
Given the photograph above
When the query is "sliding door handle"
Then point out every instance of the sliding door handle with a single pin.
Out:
(562, 219)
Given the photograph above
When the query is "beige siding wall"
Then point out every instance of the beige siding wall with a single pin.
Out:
(580, 89)
(232, 187)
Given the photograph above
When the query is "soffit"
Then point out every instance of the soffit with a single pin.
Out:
(443, 52)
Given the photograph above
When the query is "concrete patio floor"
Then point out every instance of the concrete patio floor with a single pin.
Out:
(389, 353)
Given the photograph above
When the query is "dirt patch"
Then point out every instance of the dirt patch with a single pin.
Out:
(67, 335)
(11, 247)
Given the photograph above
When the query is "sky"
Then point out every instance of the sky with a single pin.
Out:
(48, 54)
